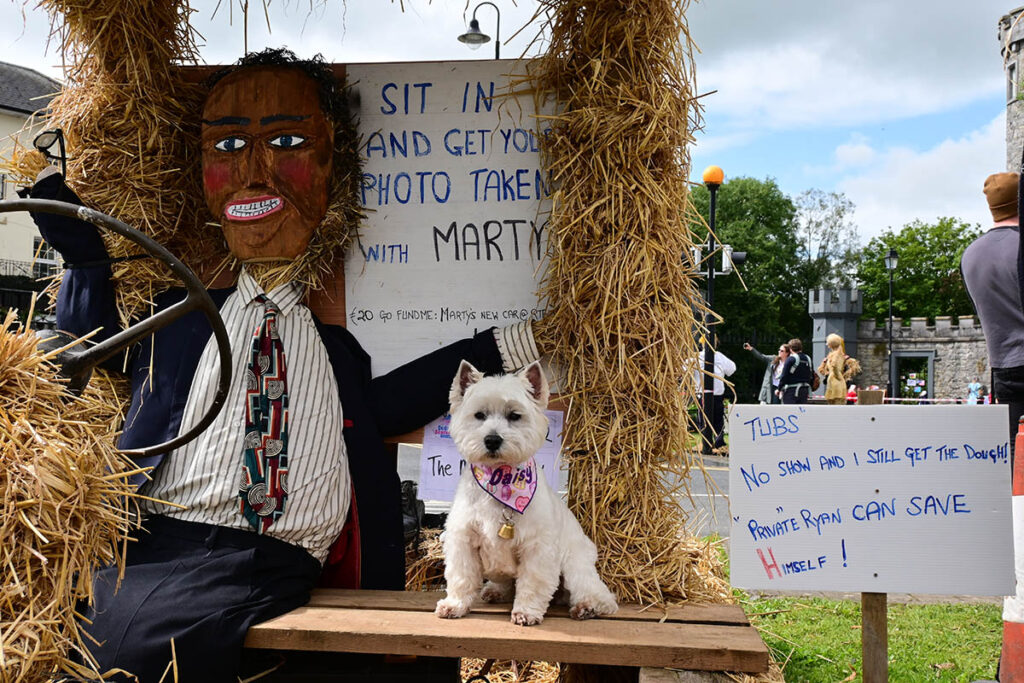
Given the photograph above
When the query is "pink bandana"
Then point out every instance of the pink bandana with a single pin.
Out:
(511, 486)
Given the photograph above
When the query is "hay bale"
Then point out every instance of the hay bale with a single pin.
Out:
(621, 317)
(65, 506)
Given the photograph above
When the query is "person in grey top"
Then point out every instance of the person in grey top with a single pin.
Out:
(989, 267)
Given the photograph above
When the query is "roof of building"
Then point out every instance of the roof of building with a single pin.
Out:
(24, 90)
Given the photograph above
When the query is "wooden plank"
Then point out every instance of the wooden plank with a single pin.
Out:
(424, 601)
(708, 647)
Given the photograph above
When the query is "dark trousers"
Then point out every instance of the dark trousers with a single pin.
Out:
(200, 585)
(716, 416)
(793, 394)
(1008, 388)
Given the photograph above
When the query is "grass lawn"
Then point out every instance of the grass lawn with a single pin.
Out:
(814, 639)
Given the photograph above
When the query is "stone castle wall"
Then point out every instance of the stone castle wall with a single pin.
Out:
(959, 346)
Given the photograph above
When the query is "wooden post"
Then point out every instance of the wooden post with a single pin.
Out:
(874, 638)
(874, 629)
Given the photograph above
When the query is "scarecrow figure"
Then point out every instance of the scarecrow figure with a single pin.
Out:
(291, 485)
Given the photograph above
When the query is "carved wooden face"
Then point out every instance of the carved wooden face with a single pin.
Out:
(267, 150)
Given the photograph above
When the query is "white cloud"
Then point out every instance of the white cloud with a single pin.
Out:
(903, 185)
(856, 152)
(791, 64)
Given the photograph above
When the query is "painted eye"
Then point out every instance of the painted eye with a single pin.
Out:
(231, 144)
(480, 416)
(514, 417)
(287, 141)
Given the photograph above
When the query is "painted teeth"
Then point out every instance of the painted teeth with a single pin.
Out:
(253, 208)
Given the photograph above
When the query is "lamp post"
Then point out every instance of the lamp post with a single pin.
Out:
(713, 177)
(474, 37)
(890, 265)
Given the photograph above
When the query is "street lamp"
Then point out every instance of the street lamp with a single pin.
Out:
(713, 177)
(474, 37)
(890, 265)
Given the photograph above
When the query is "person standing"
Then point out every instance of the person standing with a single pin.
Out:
(773, 371)
(724, 366)
(990, 271)
(973, 392)
(838, 369)
(797, 374)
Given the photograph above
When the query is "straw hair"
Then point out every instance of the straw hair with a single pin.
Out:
(67, 506)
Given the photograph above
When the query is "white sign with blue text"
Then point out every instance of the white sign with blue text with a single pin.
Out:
(457, 206)
(879, 499)
(441, 465)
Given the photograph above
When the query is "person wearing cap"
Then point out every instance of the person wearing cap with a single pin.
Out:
(989, 268)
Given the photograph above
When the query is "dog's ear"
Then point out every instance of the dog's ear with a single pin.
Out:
(464, 378)
(537, 382)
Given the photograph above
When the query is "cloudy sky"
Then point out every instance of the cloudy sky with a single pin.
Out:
(898, 104)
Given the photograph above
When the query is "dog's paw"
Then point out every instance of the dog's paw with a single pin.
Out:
(588, 609)
(496, 592)
(451, 609)
(526, 619)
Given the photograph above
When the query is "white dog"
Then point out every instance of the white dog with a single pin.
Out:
(505, 525)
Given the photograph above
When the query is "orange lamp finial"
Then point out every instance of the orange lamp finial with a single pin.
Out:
(713, 175)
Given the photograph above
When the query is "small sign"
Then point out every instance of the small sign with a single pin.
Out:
(441, 465)
(877, 499)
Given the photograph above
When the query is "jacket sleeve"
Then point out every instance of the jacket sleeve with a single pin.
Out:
(784, 377)
(764, 358)
(86, 298)
(413, 394)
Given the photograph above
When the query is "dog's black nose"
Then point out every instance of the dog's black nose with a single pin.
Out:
(493, 442)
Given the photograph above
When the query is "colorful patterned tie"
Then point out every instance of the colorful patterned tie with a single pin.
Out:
(264, 482)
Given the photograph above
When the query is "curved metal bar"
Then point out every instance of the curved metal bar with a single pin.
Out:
(197, 298)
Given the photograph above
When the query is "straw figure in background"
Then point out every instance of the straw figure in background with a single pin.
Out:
(290, 484)
(837, 369)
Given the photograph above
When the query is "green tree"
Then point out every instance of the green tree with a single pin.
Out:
(829, 242)
(755, 216)
(927, 279)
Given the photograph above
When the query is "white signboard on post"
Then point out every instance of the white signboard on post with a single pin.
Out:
(457, 206)
(880, 499)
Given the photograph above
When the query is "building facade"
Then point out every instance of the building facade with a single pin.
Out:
(23, 93)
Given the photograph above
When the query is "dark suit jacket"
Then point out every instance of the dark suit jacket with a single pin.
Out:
(398, 402)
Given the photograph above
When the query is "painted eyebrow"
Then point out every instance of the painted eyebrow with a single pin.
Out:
(266, 120)
(228, 121)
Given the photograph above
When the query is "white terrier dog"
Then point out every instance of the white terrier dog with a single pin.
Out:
(505, 525)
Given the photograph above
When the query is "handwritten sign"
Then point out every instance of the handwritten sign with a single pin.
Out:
(441, 464)
(457, 206)
(886, 499)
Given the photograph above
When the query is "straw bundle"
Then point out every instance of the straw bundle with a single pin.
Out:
(621, 315)
(131, 131)
(65, 507)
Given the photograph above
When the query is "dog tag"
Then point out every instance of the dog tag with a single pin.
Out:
(507, 530)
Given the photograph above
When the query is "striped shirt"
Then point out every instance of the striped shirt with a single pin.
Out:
(203, 475)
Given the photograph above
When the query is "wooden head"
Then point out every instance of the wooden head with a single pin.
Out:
(266, 149)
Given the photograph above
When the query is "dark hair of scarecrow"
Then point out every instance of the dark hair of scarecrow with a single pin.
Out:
(332, 98)
(344, 210)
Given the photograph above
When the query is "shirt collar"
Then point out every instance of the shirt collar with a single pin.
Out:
(285, 296)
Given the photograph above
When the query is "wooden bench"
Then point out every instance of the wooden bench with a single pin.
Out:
(692, 637)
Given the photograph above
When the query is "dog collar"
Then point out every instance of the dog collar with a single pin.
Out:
(511, 486)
